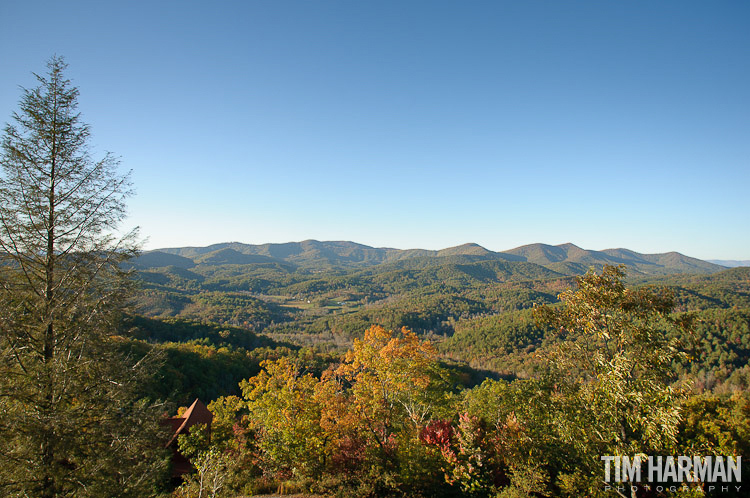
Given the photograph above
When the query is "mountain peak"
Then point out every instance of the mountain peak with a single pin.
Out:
(471, 249)
(569, 246)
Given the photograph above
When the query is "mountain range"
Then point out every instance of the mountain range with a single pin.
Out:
(730, 263)
(313, 255)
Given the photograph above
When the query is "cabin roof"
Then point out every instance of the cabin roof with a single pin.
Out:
(197, 413)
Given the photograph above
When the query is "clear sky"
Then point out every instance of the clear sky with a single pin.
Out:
(412, 123)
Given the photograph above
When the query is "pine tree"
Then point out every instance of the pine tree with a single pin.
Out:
(69, 422)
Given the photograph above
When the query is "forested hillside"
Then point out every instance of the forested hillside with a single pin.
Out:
(475, 305)
(515, 382)
(470, 348)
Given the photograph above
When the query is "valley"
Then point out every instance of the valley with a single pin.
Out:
(475, 305)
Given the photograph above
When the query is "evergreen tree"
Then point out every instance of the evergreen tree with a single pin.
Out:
(70, 424)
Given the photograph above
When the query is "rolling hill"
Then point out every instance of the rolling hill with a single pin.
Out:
(569, 258)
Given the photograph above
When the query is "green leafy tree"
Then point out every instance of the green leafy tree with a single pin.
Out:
(69, 423)
(615, 390)
(285, 412)
(213, 470)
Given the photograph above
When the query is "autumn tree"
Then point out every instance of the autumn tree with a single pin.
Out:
(70, 424)
(396, 387)
(396, 382)
(356, 425)
(285, 412)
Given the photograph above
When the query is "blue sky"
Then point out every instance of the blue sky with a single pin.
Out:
(412, 123)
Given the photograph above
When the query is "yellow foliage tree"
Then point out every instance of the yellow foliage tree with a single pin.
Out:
(285, 411)
(396, 383)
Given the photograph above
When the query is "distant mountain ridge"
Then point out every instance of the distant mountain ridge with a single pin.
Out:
(730, 263)
(571, 257)
(566, 259)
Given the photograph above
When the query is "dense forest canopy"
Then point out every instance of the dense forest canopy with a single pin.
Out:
(590, 366)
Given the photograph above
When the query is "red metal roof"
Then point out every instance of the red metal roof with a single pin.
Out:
(197, 413)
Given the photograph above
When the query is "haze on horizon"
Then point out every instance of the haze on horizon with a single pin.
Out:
(425, 124)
